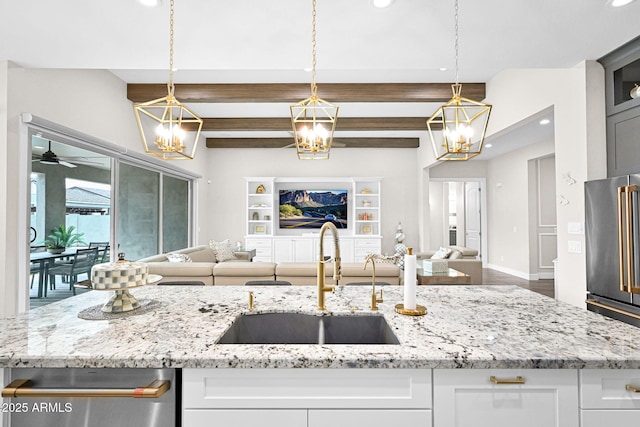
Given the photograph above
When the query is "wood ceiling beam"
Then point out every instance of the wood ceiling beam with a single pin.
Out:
(295, 92)
(283, 142)
(343, 124)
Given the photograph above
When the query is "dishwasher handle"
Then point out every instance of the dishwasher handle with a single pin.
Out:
(23, 388)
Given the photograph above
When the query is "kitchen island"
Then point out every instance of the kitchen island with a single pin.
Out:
(466, 327)
(445, 367)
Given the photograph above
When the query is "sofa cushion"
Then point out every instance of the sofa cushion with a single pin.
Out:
(223, 250)
(198, 253)
(441, 253)
(384, 269)
(301, 269)
(465, 252)
(179, 258)
(247, 269)
(187, 269)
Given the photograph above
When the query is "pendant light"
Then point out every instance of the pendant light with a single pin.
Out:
(458, 128)
(169, 130)
(313, 119)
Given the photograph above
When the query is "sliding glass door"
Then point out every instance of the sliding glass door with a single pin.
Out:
(153, 212)
(175, 213)
(138, 211)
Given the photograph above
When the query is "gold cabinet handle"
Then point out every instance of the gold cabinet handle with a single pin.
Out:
(516, 380)
(23, 388)
(632, 389)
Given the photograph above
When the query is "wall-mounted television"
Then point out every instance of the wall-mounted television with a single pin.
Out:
(301, 209)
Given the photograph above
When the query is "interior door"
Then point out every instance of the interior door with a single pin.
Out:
(546, 218)
(473, 217)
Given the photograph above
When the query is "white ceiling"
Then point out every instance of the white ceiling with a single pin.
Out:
(255, 41)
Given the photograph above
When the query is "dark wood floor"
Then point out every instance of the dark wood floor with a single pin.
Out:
(494, 277)
(489, 277)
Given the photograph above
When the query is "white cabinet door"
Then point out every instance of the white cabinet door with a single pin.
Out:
(303, 250)
(603, 418)
(467, 397)
(369, 418)
(607, 389)
(306, 388)
(282, 250)
(293, 250)
(245, 417)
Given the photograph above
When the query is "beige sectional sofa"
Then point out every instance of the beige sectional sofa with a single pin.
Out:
(205, 269)
(462, 259)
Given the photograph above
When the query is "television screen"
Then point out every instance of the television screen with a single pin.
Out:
(312, 208)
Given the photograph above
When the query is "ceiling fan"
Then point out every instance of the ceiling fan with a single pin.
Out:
(51, 158)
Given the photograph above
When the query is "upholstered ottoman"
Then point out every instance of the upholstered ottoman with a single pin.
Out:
(238, 273)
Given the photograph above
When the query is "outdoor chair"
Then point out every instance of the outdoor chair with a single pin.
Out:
(81, 263)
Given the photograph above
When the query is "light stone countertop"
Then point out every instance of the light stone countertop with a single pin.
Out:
(531, 330)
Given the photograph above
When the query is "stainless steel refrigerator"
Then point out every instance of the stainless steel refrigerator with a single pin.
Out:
(612, 227)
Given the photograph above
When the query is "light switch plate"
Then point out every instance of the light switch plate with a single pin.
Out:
(575, 246)
(575, 228)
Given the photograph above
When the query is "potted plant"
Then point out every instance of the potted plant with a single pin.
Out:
(61, 238)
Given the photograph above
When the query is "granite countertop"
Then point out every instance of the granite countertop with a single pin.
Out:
(181, 329)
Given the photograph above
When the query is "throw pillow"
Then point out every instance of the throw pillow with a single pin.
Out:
(223, 250)
(178, 258)
(441, 253)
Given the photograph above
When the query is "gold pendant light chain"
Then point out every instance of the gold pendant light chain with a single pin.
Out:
(456, 37)
(314, 87)
(170, 85)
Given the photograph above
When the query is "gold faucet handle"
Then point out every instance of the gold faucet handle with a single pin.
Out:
(251, 306)
(380, 299)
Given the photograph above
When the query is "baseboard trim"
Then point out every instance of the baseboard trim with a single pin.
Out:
(510, 271)
(520, 274)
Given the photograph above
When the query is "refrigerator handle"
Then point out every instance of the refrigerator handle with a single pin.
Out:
(625, 239)
(633, 287)
(621, 238)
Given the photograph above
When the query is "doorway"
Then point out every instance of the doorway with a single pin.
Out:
(456, 218)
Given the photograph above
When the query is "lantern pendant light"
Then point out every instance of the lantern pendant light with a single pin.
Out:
(169, 130)
(313, 119)
(457, 129)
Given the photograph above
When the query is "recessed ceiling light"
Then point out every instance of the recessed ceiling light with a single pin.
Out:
(545, 122)
(488, 145)
(443, 68)
(619, 3)
(150, 3)
(381, 4)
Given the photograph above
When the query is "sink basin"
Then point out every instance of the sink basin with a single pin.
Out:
(298, 328)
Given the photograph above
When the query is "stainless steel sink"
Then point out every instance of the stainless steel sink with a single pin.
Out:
(297, 328)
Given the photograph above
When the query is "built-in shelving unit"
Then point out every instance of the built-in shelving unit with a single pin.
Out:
(260, 206)
(367, 207)
(272, 244)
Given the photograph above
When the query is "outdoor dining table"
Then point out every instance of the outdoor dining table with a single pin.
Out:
(43, 258)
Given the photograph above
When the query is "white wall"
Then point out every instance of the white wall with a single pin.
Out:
(227, 191)
(577, 96)
(8, 296)
(93, 102)
(508, 218)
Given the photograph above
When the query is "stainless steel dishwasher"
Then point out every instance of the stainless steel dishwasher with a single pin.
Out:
(77, 397)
